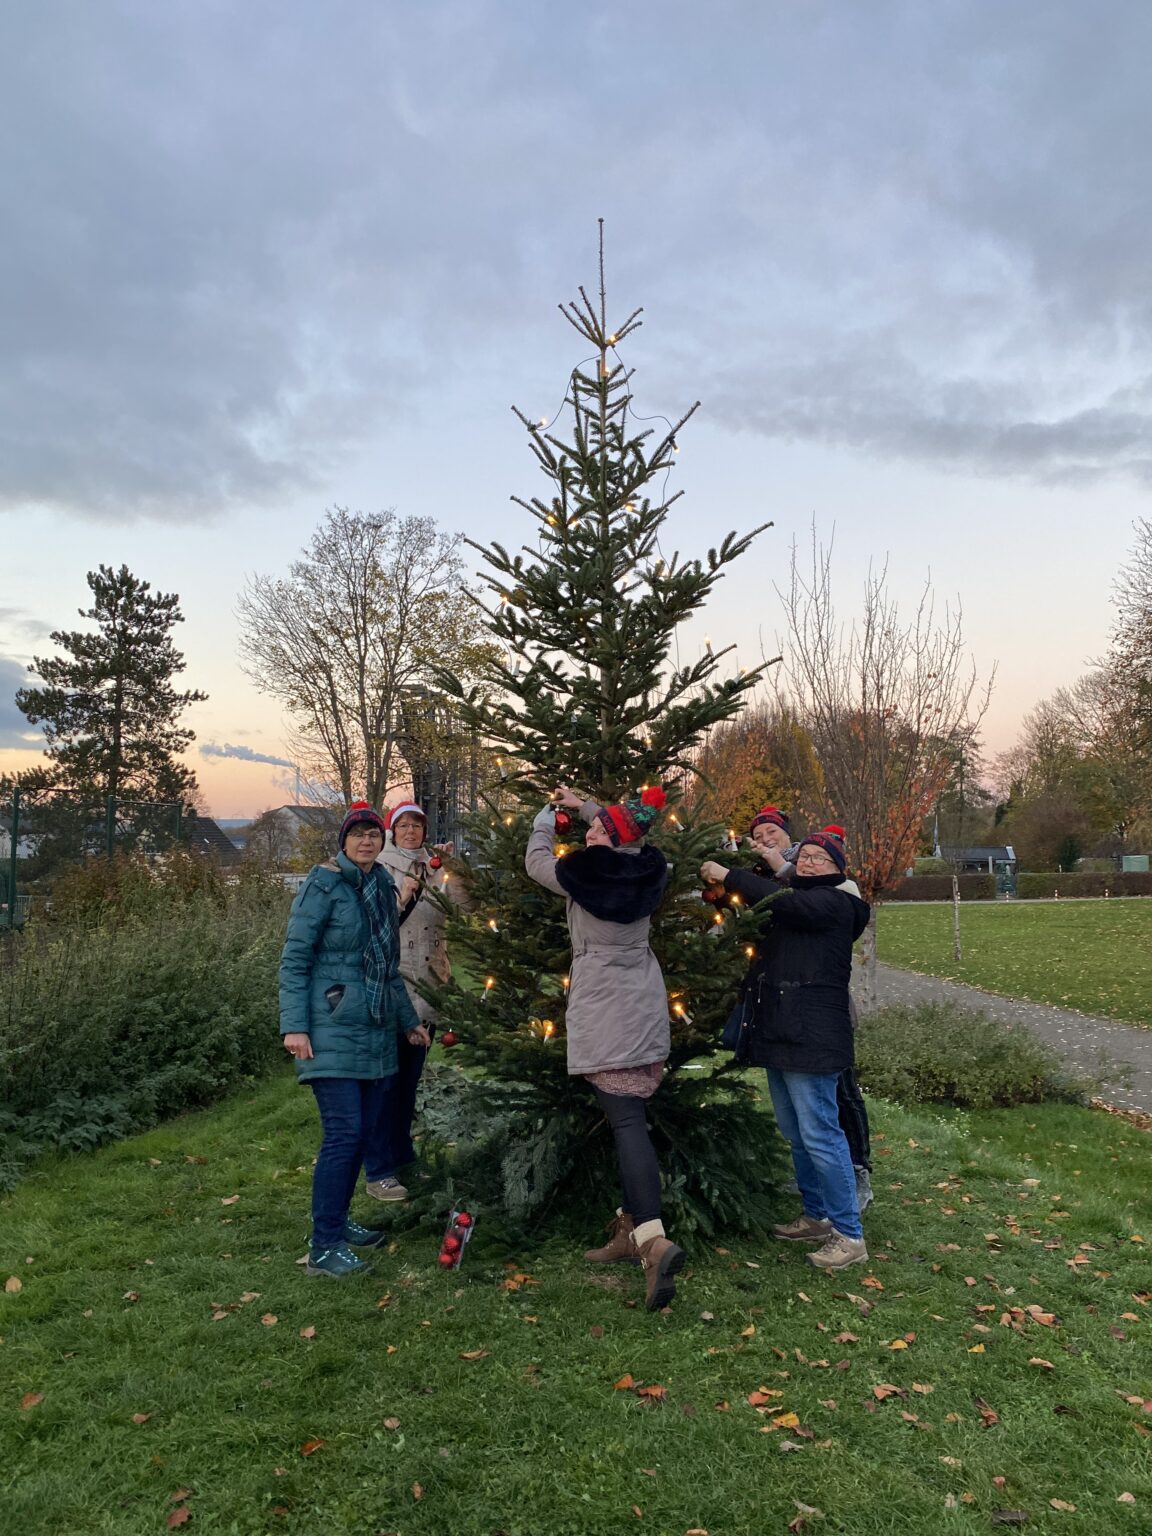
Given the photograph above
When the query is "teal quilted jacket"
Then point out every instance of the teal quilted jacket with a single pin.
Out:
(324, 950)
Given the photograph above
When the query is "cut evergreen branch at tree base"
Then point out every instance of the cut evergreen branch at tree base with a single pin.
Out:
(583, 690)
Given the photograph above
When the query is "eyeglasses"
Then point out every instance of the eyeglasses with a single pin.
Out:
(805, 857)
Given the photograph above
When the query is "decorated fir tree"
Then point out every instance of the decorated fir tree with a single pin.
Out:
(586, 693)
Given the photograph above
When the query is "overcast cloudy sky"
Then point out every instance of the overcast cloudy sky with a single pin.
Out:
(263, 258)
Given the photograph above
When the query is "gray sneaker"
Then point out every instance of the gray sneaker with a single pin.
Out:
(864, 1195)
(386, 1189)
(805, 1229)
(839, 1251)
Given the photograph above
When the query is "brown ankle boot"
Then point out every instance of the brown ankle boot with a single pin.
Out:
(619, 1249)
(661, 1260)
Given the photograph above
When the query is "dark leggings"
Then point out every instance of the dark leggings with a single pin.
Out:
(853, 1118)
(639, 1170)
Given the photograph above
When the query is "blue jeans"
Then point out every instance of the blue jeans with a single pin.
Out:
(349, 1107)
(806, 1112)
(389, 1144)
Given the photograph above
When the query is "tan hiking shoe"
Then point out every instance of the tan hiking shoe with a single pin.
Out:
(839, 1251)
(661, 1260)
(386, 1189)
(619, 1249)
(805, 1229)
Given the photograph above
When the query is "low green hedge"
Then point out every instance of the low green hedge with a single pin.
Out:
(939, 888)
(941, 1053)
(128, 1014)
(1084, 883)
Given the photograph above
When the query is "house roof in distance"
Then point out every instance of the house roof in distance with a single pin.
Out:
(203, 835)
(1003, 853)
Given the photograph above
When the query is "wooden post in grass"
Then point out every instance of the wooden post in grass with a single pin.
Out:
(956, 950)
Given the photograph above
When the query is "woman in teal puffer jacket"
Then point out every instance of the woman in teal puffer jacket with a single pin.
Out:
(342, 1003)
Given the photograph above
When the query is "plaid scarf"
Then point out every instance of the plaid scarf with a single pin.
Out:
(382, 956)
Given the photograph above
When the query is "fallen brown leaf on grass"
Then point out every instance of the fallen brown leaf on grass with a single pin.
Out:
(1125, 1498)
(625, 1384)
(180, 1495)
(417, 1491)
(310, 1447)
(30, 1400)
(922, 1387)
(749, 1332)
(229, 1199)
(871, 1282)
(846, 1338)
(13, 1283)
(141, 1418)
(391, 1423)
(763, 1395)
(308, 1333)
(988, 1414)
(597, 1332)
(722, 1406)
(654, 1393)
(131, 1297)
(269, 1319)
(886, 1389)
(475, 1354)
(637, 1511)
(1045, 1365)
(179, 1517)
(1063, 1504)
(786, 1420)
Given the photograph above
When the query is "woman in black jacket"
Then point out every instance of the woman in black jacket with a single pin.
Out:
(795, 1022)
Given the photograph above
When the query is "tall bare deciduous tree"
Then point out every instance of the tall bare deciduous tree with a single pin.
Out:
(886, 703)
(343, 639)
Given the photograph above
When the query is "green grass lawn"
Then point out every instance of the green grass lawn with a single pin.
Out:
(171, 1346)
(1092, 955)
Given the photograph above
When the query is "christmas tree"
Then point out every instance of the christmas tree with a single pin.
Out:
(586, 692)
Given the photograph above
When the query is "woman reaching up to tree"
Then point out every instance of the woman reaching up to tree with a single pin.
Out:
(617, 1012)
(796, 1022)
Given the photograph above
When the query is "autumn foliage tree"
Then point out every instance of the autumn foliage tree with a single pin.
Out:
(886, 701)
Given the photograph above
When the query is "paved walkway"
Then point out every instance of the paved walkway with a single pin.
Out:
(1078, 1036)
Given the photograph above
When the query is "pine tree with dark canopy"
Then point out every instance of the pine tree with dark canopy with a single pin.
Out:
(586, 693)
(107, 702)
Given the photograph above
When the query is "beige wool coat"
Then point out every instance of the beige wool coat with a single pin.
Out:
(423, 950)
(617, 1010)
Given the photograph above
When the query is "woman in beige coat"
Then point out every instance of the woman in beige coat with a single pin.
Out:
(616, 1020)
(416, 871)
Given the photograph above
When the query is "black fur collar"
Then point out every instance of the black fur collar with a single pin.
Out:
(617, 887)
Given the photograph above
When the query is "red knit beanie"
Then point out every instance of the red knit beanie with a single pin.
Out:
(772, 815)
(629, 821)
(360, 811)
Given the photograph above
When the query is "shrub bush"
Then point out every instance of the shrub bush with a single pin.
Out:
(130, 1012)
(939, 888)
(941, 1053)
(1084, 883)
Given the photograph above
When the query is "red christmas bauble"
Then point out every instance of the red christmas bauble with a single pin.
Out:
(451, 1243)
(435, 862)
(449, 1038)
(563, 821)
(447, 1260)
(463, 1219)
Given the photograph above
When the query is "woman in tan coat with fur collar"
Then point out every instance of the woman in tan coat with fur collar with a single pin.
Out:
(616, 1020)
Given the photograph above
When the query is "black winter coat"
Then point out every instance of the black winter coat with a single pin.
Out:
(795, 1008)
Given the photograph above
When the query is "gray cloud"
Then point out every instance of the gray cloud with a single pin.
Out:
(238, 239)
(246, 754)
(14, 728)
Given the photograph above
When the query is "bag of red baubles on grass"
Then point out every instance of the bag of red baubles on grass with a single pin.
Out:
(456, 1235)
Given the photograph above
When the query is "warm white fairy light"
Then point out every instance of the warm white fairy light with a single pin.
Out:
(494, 925)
